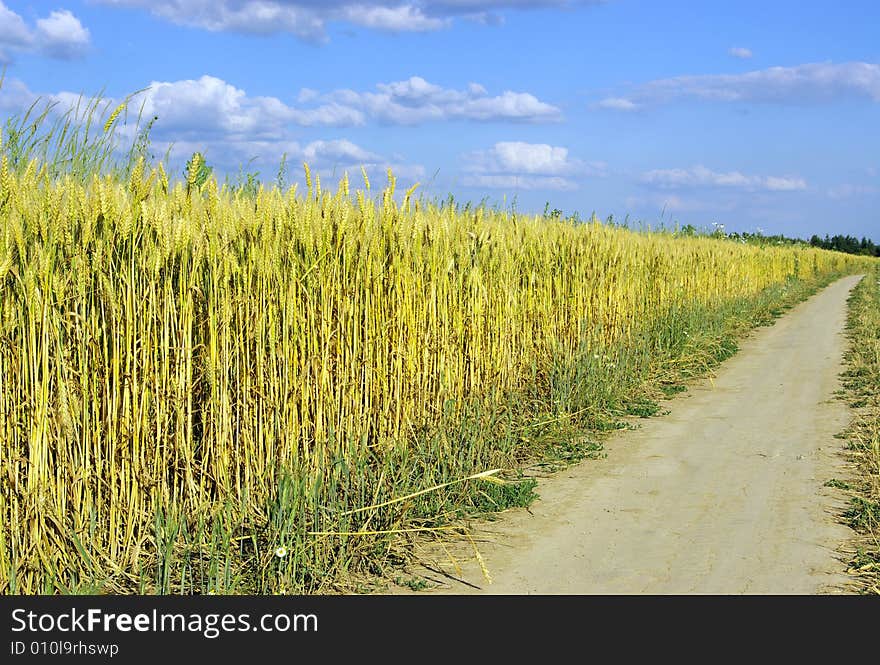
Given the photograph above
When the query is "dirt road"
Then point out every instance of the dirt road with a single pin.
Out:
(723, 495)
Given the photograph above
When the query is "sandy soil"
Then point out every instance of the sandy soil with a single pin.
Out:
(723, 495)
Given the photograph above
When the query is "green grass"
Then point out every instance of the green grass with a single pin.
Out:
(414, 583)
(861, 380)
(514, 494)
(670, 390)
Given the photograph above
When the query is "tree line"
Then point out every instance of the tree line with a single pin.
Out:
(848, 244)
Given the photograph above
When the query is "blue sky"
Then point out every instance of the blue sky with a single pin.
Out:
(755, 115)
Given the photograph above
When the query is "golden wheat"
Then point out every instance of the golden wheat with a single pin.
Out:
(167, 353)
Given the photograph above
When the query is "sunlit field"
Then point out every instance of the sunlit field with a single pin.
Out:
(221, 388)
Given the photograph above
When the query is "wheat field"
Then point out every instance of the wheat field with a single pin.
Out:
(210, 390)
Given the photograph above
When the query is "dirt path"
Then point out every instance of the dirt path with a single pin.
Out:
(724, 495)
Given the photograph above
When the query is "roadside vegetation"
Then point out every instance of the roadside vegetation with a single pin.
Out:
(862, 390)
(234, 388)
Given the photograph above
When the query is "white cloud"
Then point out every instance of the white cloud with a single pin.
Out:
(617, 104)
(519, 157)
(332, 114)
(415, 100)
(13, 31)
(338, 150)
(740, 52)
(519, 165)
(60, 35)
(210, 105)
(303, 19)
(231, 128)
(404, 18)
(809, 83)
(509, 105)
(785, 184)
(700, 176)
(848, 190)
(416, 88)
(308, 18)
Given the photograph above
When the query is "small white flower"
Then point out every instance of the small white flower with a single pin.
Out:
(281, 552)
(596, 356)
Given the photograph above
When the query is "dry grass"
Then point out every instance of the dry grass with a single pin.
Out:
(862, 390)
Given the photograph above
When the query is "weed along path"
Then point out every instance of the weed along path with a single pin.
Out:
(722, 495)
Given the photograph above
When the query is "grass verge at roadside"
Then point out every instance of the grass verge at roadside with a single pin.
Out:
(861, 381)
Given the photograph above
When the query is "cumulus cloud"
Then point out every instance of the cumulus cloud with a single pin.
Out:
(519, 157)
(13, 31)
(230, 127)
(62, 35)
(740, 52)
(519, 165)
(210, 102)
(209, 105)
(59, 35)
(202, 108)
(308, 18)
(801, 84)
(700, 176)
(415, 100)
